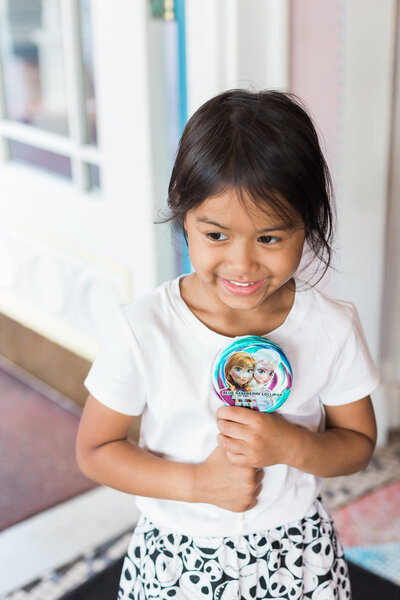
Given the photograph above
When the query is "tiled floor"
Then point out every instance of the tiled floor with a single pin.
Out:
(96, 527)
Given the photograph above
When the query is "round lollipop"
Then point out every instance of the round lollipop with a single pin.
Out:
(253, 372)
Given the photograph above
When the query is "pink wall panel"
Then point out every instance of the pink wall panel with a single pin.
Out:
(315, 65)
(315, 75)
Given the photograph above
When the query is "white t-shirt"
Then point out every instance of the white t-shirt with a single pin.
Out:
(157, 360)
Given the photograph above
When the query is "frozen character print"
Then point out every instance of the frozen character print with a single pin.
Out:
(267, 362)
(239, 370)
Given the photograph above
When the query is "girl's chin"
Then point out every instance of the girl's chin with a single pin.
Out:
(240, 302)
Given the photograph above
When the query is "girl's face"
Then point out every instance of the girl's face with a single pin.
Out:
(240, 374)
(242, 257)
(263, 372)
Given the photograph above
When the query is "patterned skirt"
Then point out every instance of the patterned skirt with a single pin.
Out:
(302, 559)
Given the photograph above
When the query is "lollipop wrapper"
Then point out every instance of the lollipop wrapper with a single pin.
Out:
(252, 372)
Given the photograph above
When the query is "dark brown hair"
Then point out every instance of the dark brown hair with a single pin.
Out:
(265, 147)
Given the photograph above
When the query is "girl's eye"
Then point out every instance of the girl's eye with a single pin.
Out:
(261, 371)
(268, 239)
(217, 237)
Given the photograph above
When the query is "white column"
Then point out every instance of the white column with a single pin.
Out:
(363, 170)
(364, 153)
(235, 43)
(124, 130)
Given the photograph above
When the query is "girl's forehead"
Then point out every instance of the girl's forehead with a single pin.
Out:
(219, 204)
(232, 211)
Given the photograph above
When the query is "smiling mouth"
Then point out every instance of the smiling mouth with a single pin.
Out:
(242, 284)
(242, 288)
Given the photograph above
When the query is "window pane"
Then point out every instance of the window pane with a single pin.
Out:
(33, 63)
(88, 70)
(94, 172)
(42, 159)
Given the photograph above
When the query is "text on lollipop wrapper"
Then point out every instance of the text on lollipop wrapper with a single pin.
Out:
(252, 394)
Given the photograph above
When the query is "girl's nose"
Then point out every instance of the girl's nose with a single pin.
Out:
(241, 258)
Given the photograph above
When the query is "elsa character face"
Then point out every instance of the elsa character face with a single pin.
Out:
(264, 372)
(267, 362)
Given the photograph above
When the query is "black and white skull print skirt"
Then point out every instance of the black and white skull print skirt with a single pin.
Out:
(302, 559)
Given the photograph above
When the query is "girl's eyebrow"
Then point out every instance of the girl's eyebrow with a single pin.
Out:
(210, 222)
(278, 227)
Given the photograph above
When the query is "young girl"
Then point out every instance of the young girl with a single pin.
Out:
(229, 496)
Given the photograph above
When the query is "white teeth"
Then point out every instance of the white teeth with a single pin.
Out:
(241, 284)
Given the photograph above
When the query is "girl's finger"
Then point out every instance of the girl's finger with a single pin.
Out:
(232, 429)
(239, 414)
(231, 445)
(233, 413)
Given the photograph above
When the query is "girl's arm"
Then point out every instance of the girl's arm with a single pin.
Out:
(105, 455)
(264, 439)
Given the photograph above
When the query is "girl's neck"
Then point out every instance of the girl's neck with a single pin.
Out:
(230, 322)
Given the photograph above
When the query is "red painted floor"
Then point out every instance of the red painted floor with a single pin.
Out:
(37, 452)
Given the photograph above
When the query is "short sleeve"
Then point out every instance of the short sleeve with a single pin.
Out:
(117, 378)
(353, 375)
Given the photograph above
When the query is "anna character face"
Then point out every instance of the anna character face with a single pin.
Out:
(239, 369)
(241, 374)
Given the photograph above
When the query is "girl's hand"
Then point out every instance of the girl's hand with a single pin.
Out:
(255, 439)
(218, 481)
